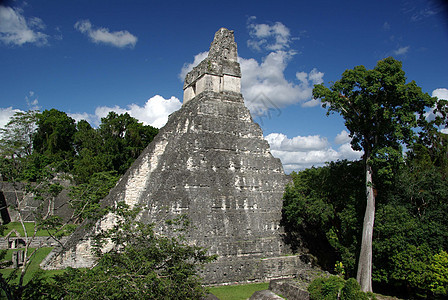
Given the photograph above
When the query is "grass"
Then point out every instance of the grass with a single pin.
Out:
(238, 292)
(37, 257)
(34, 265)
(17, 226)
(29, 226)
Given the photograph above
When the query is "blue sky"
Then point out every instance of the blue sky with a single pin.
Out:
(89, 57)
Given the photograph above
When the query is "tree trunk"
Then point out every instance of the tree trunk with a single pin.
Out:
(364, 275)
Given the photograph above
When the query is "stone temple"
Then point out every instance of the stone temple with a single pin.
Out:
(211, 163)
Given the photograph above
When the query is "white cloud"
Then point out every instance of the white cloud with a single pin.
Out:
(120, 39)
(279, 141)
(154, 112)
(441, 93)
(302, 152)
(431, 8)
(16, 30)
(187, 67)
(6, 114)
(92, 119)
(263, 84)
(269, 37)
(342, 138)
(268, 79)
(402, 50)
(345, 151)
(32, 101)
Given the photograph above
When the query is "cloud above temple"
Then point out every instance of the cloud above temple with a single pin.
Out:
(267, 79)
(264, 85)
(303, 152)
(101, 35)
(273, 37)
(154, 112)
(187, 67)
(441, 94)
(6, 114)
(17, 30)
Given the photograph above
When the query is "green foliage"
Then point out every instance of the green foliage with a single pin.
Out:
(117, 142)
(16, 146)
(54, 227)
(141, 265)
(339, 269)
(352, 291)
(438, 273)
(412, 225)
(427, 274)
(36, 147)
(16, 287)
(323, 206)
(54, 137)
(86, 196)
(410, 265)
(326, 288)
(33, 143)
(335, 288)
(382, 112)
(379, 108)
(16, 137)
(91, 153)
(123, 139)
(38, 288)
(411, 230)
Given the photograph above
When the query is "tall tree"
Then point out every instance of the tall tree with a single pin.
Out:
(54, 136)
(16, 144)
(91, 153)
(16, 137)
(382, 112)
(123, 139)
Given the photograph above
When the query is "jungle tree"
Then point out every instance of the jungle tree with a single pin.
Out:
(382, 112)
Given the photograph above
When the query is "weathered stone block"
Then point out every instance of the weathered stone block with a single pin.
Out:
(288, 289)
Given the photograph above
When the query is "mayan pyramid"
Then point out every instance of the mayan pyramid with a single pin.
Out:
(211, 163)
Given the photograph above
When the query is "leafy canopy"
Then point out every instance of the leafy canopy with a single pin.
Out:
(380, 109)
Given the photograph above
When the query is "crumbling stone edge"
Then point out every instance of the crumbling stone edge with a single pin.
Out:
(288, 289)
(282, 289)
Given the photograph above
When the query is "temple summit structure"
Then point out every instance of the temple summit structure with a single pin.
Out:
(211, 163)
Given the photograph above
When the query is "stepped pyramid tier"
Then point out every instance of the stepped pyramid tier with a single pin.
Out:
(211, 163)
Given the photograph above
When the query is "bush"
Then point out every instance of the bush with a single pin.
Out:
(326, 288)
(335, 288)
(437, 274)
(352, 291)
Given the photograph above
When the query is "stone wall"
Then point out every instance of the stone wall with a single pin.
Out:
(15, 200)
(38, 241)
